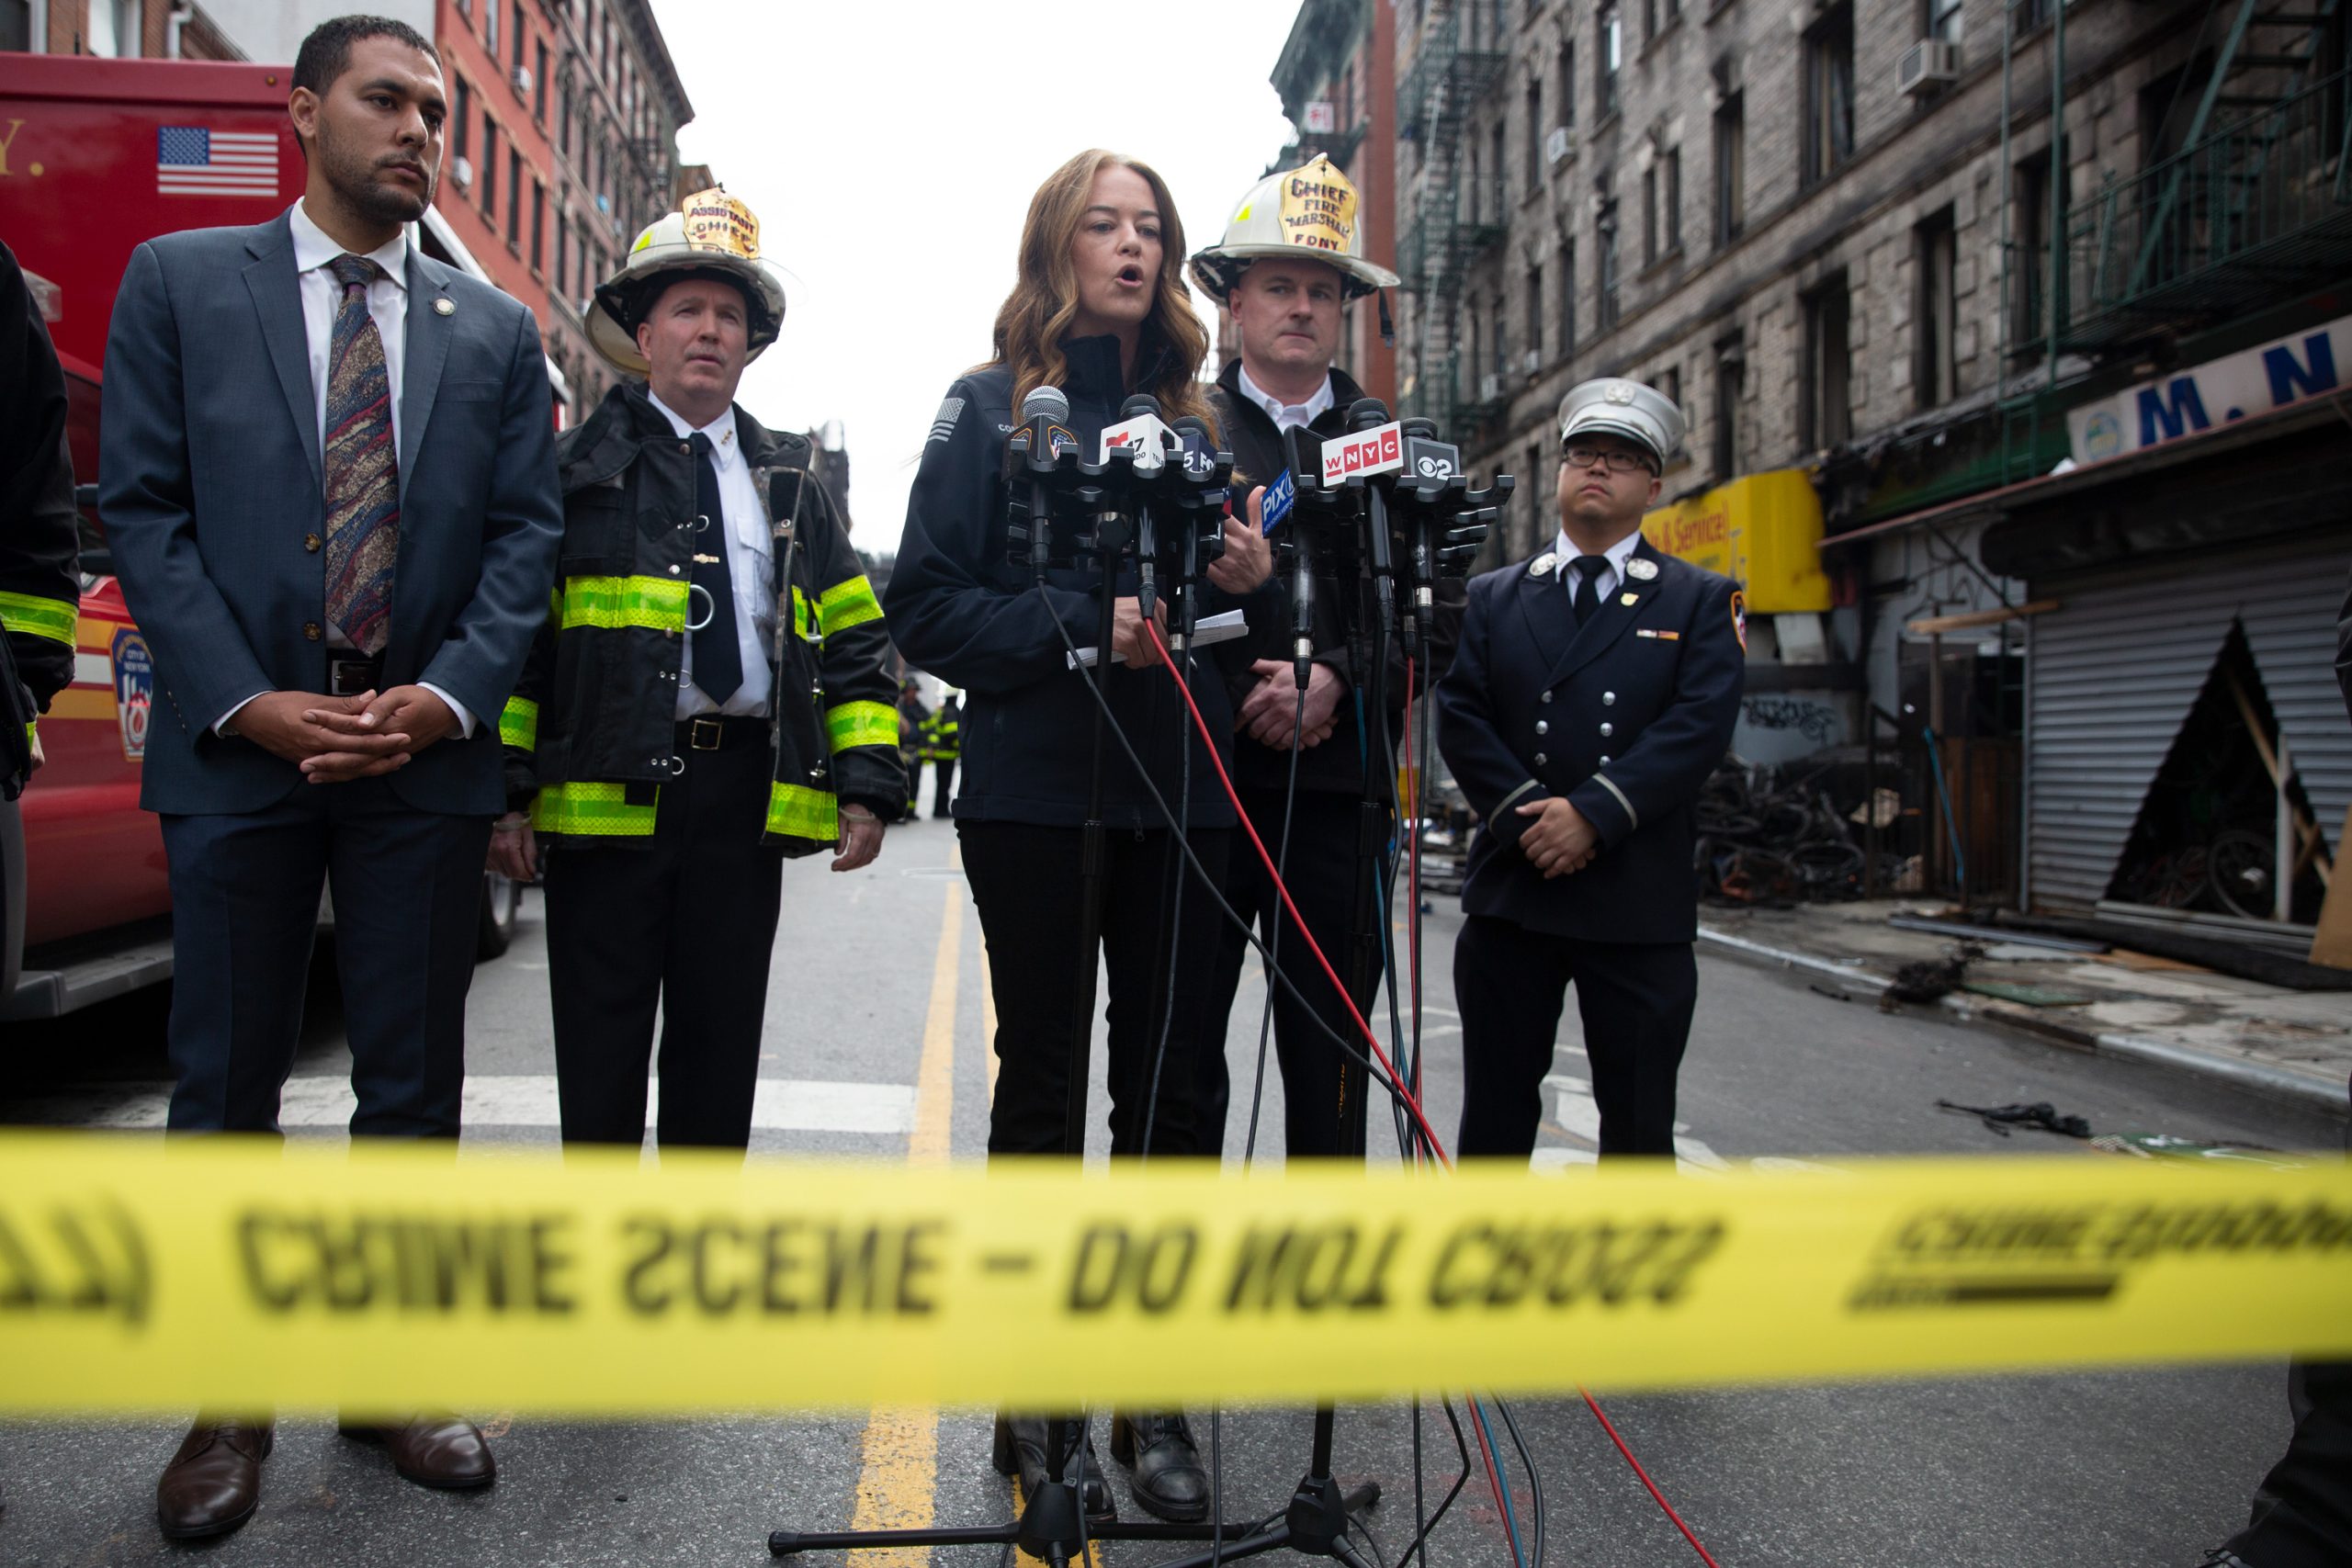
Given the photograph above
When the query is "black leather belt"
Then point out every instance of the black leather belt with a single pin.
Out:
(350, 672)
(715, 732)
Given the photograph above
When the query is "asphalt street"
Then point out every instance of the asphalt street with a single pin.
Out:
(2134, 1469)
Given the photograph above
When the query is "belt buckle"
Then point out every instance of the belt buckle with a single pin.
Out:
(349, 677)
(703, 732)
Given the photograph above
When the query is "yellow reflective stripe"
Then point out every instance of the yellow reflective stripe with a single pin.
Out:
(519, 725)
(848, 603)
(804, 617)
(803, 813)
(657, 604)
(862, 724)
(34, 615)
(590, 808)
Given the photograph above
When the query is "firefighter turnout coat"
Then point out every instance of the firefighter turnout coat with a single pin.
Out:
(590, 734)
(40, 587)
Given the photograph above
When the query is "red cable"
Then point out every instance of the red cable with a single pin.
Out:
(1656, 1495)
(1396, 1079)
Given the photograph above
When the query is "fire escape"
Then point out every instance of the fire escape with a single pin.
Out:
(1457, 59)
(2254, 207)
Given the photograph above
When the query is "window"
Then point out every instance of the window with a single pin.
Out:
(1535, 310)
(1605, 260)
(1567, 300)
(1673, 199)
(540, 86)
(1940, 19)
(517, 33)
(1649, 215)
(489, 29)
(1477, 357)
(1502, 169)
(1731, 170)
(1567, 81)
(562, 257)
(538, 226)
(1935, 319)
(1537, 495)
(488, 167)
(1669, 382)
(1731, 370)
(1607, 56)
(1535, 134)
(1830, 94)
(462, 138)
(2031, 260)
(1828, 362)
(513, 196)
(15, 24)
(564, 117)
(1502, 339)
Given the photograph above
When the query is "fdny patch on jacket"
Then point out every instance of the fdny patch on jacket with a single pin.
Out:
(943, 423)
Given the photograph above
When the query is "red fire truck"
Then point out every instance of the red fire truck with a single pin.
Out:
(83, 181)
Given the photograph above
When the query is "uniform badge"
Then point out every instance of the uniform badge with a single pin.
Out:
(1641, 569)
(1629, 599)
(1739, 618)
(1541, 565)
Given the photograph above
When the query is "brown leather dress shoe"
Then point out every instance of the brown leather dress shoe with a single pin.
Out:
(433, 1448)
(213, 1483)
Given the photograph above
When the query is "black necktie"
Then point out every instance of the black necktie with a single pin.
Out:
(1588, 599)
(719, 657)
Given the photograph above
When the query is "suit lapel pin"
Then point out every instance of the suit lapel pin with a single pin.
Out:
(1640, 570)
(1629, 598)
(1541, 565)
(444, 306)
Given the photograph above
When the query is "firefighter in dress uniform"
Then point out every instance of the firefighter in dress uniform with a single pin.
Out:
(707, 699)
(1593, 690)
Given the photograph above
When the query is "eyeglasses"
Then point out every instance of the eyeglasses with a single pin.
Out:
(1619, 460)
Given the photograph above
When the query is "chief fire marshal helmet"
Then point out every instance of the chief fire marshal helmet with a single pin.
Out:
(1614, 406)
(1307, 213)
(711, 234)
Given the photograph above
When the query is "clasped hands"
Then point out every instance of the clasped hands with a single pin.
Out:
(1559, 842)
(337, 739)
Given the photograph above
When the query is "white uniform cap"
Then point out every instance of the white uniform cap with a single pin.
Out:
(1614, 406)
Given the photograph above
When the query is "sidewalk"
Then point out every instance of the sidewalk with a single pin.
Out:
(2291, 1044)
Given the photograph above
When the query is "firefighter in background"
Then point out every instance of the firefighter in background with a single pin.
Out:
(707, 698)
(941, 748)
(914, 720)
(40, 587)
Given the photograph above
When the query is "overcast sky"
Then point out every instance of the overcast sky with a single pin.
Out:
(889, 152)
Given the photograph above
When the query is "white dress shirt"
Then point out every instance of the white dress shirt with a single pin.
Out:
(314, 249)
(1617, 554)
(1287, 415)
(750, 551)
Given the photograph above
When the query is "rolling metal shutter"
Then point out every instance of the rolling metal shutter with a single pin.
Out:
(2114, 673)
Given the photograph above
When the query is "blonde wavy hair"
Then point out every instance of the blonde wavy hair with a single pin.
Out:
(1038, 313)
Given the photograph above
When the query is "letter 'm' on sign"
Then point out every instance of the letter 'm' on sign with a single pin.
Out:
(2172, 413)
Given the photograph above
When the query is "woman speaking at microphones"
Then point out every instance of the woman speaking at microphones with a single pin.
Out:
(1101, 314)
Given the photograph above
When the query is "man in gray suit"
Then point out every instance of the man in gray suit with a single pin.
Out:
(327, 474)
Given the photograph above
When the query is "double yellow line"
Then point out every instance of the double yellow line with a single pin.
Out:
(897, 1476)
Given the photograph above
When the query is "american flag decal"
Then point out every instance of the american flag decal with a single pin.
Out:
(194, 160)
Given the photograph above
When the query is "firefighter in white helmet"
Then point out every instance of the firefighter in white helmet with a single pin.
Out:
(707, 699)
(1292, 259)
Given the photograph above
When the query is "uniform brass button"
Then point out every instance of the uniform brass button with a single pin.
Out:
(1604, 761)
(310, 630)
(1608, 699)
(1545, 698)
(673, 571)
(310, 542)
(1608, 729)
(1540, 758)
(1542, 727)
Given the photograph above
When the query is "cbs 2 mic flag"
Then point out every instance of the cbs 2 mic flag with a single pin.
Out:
(196, 160)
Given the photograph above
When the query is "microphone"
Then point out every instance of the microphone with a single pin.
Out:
(1140, 428)
(1041, 437)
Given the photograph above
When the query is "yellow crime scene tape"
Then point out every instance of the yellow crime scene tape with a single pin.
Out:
(139, 1274)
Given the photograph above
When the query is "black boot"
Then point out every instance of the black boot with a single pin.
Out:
(1021, 1451)
(1165, 1467)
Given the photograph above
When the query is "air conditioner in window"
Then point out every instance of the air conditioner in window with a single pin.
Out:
(522, 79)
(1490, 388)
(461, 169)
(1530, 362)
(1559, 144)
(1929, 62)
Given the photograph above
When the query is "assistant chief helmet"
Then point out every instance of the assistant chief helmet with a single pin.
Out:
(711, 234)
(1307, 213)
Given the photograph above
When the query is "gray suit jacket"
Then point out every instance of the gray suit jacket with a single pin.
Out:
(210, 480)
